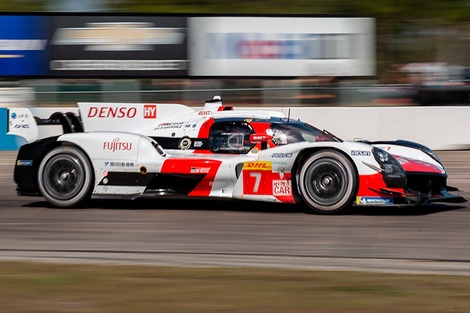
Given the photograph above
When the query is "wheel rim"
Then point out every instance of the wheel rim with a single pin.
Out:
(63, 176)
(326, 182)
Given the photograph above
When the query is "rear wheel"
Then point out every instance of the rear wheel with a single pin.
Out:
(328, 182)
(65, 177)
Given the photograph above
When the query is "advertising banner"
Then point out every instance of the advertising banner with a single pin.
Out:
(8, 142)
(23, 45)
(118, 46)
(281, 46)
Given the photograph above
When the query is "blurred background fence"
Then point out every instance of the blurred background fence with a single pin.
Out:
(417, 54)
(241, 92)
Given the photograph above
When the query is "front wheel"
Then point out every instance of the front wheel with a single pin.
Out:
(65, 177)
(328, 182)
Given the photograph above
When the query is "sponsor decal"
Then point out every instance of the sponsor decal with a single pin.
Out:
(118, 36)
(197, 144)
(373, 200)
(204, 113)
(360, 153)
(117, 145)
(282, 187)
(259, 166)
(24, 45)
(259, 138)
(15, 116)
(118, 46)
(171, 125)
(150, 111)
(115, 65)
(21, 126)
(24, 163)
(185, 144)
(200, 170)
(281, 46)
(282, 155)
(119, 164)
(111, 112)
(21, 45)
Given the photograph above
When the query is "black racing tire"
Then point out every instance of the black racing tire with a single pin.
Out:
(65, 177)
(327, 182)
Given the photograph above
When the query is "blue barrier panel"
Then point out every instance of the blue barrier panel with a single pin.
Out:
(8, 142)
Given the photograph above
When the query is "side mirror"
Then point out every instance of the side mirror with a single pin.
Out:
(260, 138)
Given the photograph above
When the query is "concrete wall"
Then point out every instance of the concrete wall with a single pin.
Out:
(440, 128)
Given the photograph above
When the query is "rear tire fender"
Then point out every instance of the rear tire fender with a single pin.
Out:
(65, 176)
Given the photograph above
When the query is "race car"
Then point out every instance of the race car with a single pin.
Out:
(129, 151)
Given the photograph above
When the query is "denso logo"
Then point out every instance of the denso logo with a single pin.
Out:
(117, 145)
(112, 112)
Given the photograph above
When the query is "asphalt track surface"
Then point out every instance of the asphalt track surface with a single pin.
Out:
(431, 239)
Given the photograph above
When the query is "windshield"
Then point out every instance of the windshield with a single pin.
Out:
(295, 131)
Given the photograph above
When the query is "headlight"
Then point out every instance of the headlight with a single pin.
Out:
(393, 173)
(432, 154)
(421, 147)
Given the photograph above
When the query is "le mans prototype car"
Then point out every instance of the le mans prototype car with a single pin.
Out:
(118, 150)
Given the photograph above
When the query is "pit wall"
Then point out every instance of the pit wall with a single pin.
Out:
(440, 128)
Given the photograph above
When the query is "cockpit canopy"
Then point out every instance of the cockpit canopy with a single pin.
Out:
(229, 136)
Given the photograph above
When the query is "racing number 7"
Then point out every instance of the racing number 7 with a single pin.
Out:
(257, 176)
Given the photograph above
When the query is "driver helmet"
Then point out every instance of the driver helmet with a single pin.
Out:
(279, 137)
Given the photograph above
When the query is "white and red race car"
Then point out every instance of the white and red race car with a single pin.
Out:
(119, 150)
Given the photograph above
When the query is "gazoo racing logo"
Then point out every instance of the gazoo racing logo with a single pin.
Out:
(121, 112)
(117, 145)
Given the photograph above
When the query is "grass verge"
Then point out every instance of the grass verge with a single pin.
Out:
(41, 287)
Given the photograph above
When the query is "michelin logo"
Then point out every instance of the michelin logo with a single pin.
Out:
(373, 201)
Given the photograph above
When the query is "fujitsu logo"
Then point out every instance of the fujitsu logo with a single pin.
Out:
(117, 145)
